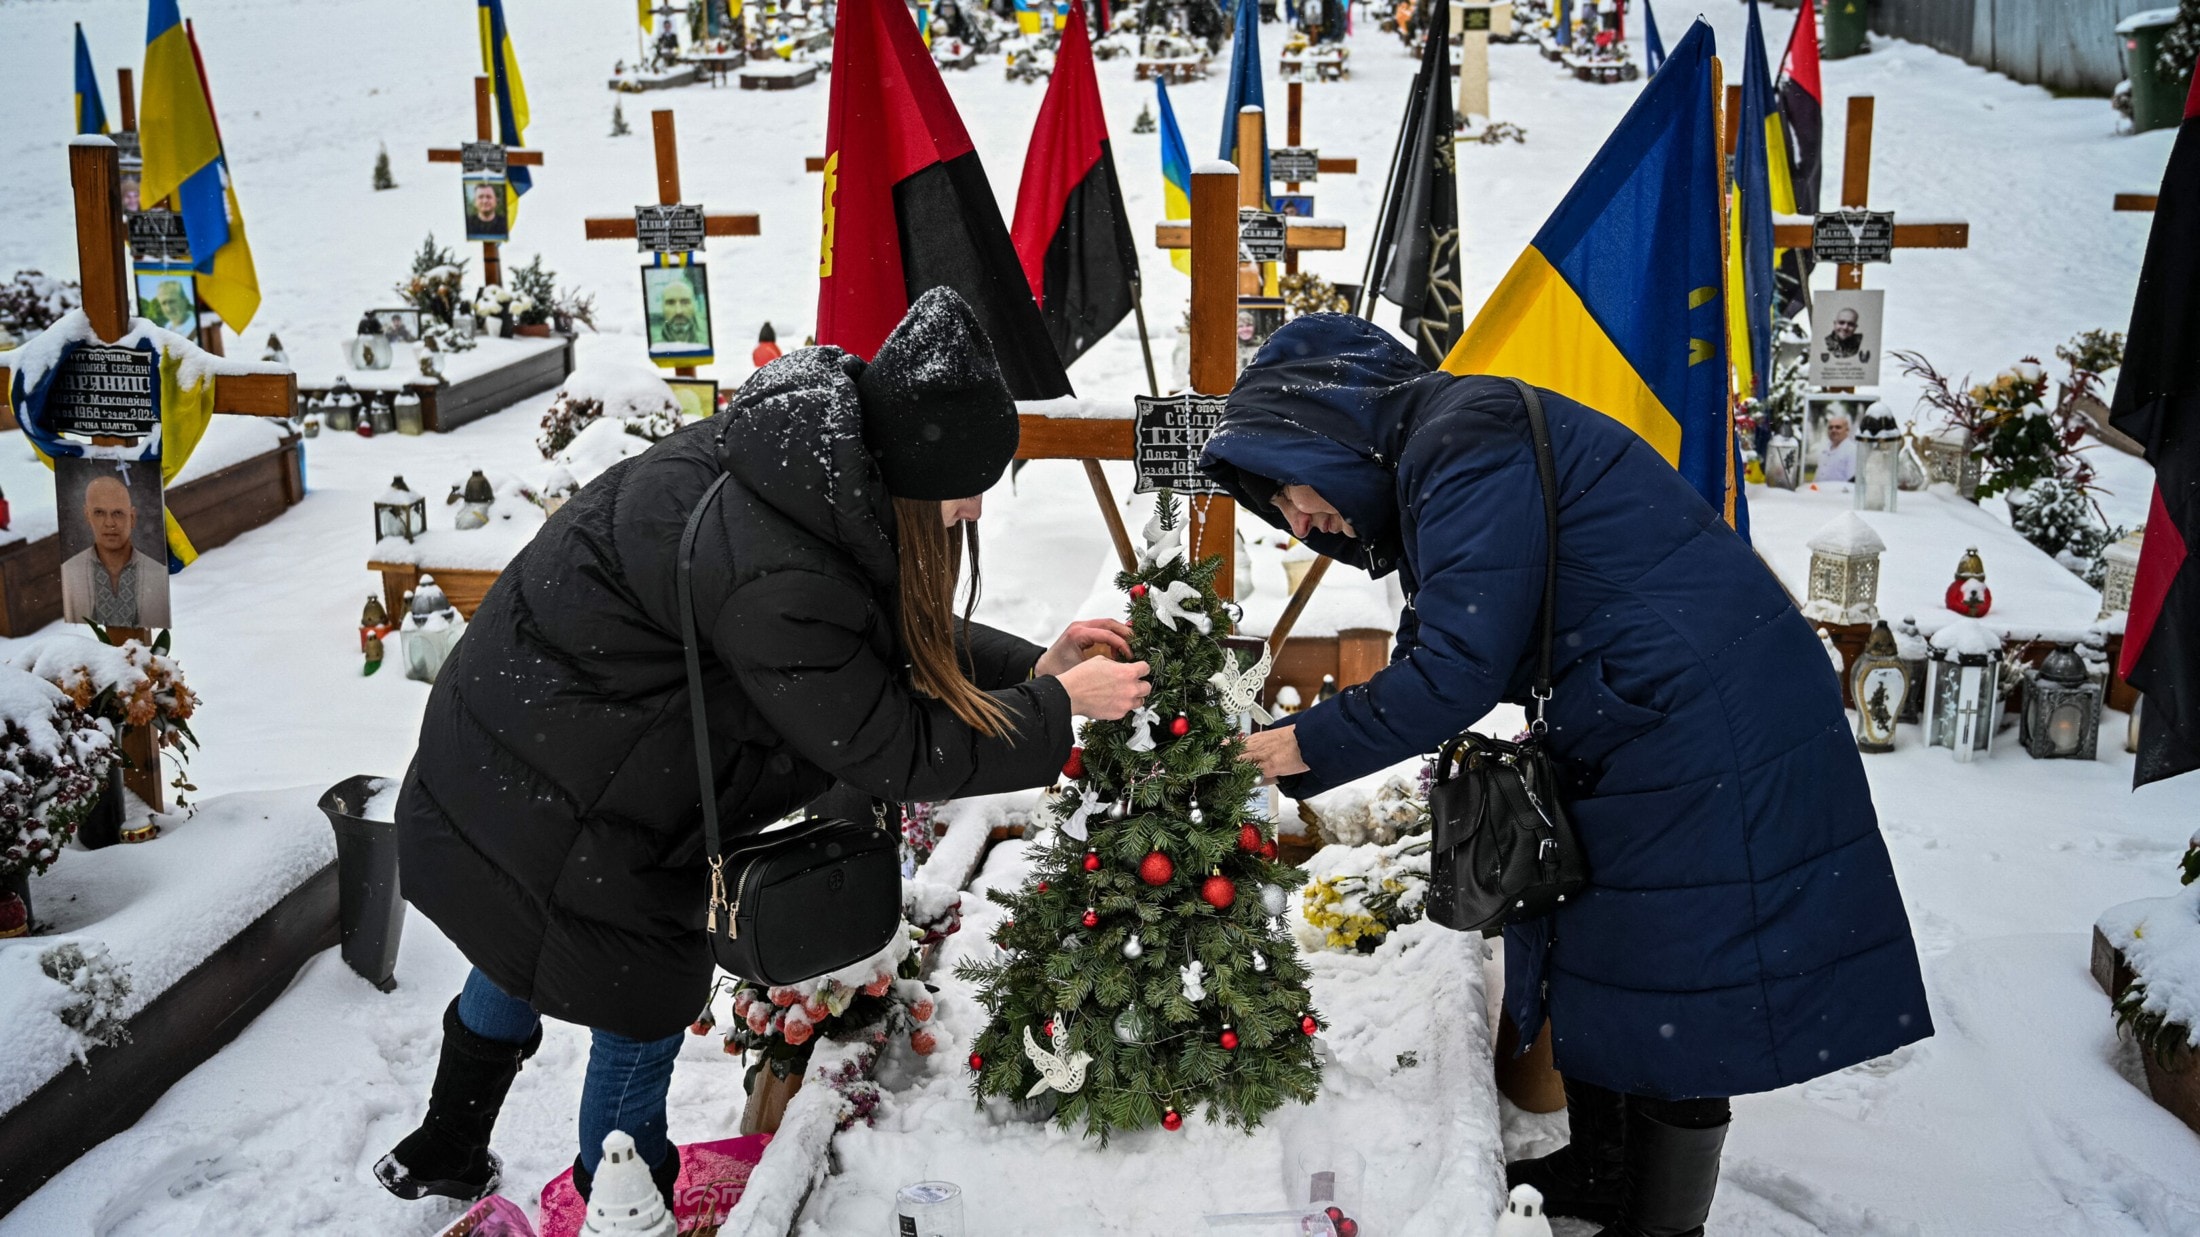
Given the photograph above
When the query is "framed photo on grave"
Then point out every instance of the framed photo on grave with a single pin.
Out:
(402, 326)
(676, 308)
(114, 549)
(167, 295)
(1294, 205)
(1845, 337)
(697, 397)
(1829, 435)
(486, 218)
(1168, 436)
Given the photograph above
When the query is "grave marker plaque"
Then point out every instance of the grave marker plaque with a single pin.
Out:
(157, 236)
(1169, 435)
(1261, 235)
(482, 158)
(671, 228)
(1294, 164)
(1853, 236)
(105, 391)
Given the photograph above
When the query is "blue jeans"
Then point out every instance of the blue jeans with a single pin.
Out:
(627, 1078)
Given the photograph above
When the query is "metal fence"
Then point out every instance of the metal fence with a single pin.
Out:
(2061, 44)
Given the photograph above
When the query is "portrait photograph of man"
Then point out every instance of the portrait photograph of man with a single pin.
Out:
(697, 397)
(114, 553)
(676, 301)
(168, 299)
(1844, 344)
(485, 218)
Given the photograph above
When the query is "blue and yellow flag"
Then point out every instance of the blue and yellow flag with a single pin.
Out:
(1759, 190)
(1176, 172)
(91, 113)
(1244, 88)
(1617, 302)
(501, 63)
(184, 161)
(1653, 47)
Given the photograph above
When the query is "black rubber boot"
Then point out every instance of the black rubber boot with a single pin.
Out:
(1672, 1174)
(1586, 1178)
(666, 1175)
(449, 1154)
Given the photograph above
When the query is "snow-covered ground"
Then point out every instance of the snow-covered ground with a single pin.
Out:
(2020, 1116)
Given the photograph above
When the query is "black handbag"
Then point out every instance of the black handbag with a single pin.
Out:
(794, 903)
(1503, 849)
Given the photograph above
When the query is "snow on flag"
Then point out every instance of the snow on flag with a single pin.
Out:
(1071, 232)
(2158, 403)
(907, 207)
(1616, 303)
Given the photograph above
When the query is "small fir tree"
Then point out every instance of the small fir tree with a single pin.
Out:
(382, 177)
(1144, 973)
(619, 127)
(2180, 48)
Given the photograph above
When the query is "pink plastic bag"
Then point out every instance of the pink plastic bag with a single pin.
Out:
(494, 1216)
(712, 1177)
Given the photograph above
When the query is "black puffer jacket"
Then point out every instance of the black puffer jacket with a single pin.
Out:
(550, 823)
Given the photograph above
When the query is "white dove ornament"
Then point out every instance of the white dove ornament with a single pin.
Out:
(1163, 545)
(1240, 688)
(1170, 604)
(1058, 1070)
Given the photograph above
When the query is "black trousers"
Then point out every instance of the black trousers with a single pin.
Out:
(1706, 1112)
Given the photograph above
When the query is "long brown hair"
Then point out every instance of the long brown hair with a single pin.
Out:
(931, 557)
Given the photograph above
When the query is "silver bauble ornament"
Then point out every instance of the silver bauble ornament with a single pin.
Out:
(1273, 899)
(1133, 947)
(1131, 1026)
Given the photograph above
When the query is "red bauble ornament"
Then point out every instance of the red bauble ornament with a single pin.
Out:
(1218, 891)
(1170, 1120)
(1092, 918)
(1268, 850)
(1229, 1040)
(1308, 1025)
(1155, 869)
(976, 1063)
(1348, 1227)
(1092, 862)
(1334, 1213)
(1075, 766)
(1181, 726)
(1042, 886)
(1249, 838)
(1138, 592)
(1047, 1028)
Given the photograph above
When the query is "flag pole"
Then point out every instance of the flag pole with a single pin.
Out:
(1145, 345)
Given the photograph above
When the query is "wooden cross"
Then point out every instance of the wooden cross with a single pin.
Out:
(103, 272)
(2140, 202)
(715, 223)
(492, 271)
(1299, 234)
(1856, 179)
(1294, 108)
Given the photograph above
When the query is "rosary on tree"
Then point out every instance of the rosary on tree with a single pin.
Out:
(1145, 971)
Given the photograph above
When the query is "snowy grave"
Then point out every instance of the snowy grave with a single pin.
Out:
(485, 136)
(488, 378)
(149, 960)
(2146, 955)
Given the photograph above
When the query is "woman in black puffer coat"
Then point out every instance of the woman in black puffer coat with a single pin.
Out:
(551, 825)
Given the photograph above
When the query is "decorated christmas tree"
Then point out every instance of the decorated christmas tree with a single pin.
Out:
(1144, 973)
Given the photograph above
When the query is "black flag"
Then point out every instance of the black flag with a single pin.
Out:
(1417, 245)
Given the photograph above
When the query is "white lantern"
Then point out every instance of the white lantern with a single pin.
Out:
(431, 631)
(1878, 459)
(2122, 561)
(1783, 461)
(1963, 688)
(1949, 460)
(1844, 572)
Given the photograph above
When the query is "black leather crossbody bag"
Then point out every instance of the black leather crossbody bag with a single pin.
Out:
(789, 904)
(1503, 849)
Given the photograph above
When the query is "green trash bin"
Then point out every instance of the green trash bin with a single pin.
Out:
(2155, 100)
(1847, 22)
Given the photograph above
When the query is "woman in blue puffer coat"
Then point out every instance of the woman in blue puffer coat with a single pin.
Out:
(1743, 930)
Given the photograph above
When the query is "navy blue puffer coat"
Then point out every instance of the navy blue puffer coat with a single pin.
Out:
(1743, 930)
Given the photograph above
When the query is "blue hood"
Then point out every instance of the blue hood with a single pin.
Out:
(1323, 404)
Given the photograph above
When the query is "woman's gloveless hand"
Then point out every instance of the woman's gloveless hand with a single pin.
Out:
(1084, 639)
(1105, 690)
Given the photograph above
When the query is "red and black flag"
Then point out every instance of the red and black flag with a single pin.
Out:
(907, 206)
(1071, 231)
(2158, 403)
(1802, 108)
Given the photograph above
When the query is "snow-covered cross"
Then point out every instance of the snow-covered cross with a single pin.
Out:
(492, 271)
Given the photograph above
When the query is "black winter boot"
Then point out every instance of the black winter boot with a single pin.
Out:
(1586, 1178)
(449, 1154)
(1672, 1172)
(666, 1175)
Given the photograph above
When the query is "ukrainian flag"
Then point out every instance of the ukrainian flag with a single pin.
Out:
(184, 161)
(501, 63)
(1617, 303)
(1176, 173)
(1245, 90)
(91, 113)
(1762, 186)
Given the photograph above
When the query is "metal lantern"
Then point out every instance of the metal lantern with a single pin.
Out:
(1844, 572)
(1911, 649)
(399, 512)
(2062, 708)
(1784, 461)
(374, 621)
(474, 502)
(1878, 683)
(431, 631)
(382, 411)
(341, 412)
(2122, 560)
(1963, 688)
(407, 414)
(1912, 471)
(1949, 460)
(1878, 459)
